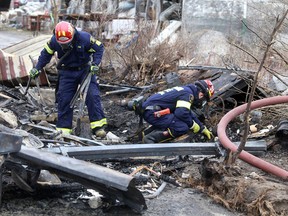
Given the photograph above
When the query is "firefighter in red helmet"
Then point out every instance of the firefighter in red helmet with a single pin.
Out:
(79, 53)
(169, 111)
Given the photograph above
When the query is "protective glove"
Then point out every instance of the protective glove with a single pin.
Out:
(34, 73)
(94, 69)
(195, 127)
(207, 133)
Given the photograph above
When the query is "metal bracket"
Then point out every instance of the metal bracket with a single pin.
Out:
(63, 152)
(220, 150)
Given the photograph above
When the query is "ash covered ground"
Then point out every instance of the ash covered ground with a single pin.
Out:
(237, 190)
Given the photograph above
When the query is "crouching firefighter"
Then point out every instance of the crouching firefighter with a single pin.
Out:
(79, 54)
(169, 111)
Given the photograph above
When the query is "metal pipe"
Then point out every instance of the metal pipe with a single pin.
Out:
(158, 191)
(245, 156)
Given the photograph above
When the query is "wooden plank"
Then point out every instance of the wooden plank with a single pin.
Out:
(112, 184)
(203, 67)
(166, 33)
(4, 96)
(27, 43)
(33, 47)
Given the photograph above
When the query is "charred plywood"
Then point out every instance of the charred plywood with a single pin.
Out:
(235, 85)
(15, 62)
(229, 84)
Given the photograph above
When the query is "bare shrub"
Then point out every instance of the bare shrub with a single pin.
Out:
(138, 62)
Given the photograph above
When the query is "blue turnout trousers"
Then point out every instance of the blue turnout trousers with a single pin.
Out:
(68, 85)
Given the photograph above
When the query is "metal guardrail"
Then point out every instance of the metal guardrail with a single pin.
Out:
(139, 150)
(114, 185)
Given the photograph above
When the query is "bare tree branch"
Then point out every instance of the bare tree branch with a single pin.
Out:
(254, 32)
(275, 74)
(242, 49)
(280, 55)
(248, 109)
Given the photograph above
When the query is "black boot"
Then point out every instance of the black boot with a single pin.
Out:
(145, 132)
(157, 136)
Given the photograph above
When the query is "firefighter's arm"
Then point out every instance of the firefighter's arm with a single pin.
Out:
(183, 107)
(182, 111)
(97, 50)
(198, 126)
(44, 58)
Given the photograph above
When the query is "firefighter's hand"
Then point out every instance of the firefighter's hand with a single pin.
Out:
(94, 69)
(195, 127)
(207, 133)
(34, 73)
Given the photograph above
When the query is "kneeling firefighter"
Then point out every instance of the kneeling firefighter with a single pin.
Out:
(169, 111)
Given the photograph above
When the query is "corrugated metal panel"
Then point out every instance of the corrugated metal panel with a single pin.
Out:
(15, 62)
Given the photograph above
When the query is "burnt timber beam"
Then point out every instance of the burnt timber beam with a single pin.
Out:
(114, 185)
(140, 150)
(201, 67)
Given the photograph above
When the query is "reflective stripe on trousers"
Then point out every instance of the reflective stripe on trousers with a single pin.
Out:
(98, 124)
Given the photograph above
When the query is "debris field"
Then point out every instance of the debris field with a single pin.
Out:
(45, 172)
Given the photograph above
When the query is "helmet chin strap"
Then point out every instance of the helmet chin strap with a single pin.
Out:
(202, 88)
(197, 101)
(66, 47)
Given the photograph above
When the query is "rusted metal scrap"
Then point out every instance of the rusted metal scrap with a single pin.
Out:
(115, 186)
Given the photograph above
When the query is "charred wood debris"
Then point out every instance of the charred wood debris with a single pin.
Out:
(120, 168)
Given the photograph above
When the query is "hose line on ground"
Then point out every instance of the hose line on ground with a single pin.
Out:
(245, 156)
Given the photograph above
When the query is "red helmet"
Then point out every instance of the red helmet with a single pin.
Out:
(206, 87)
(64, 32)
